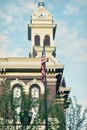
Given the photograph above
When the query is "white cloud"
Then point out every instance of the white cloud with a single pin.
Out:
(3, 39)
(83, 102)
(29, 5)
(9, 19)
(3, 52)
(4, 43)
(13, 28)
(2, 15)
(16, 13)
(71, 9)
(79, 51)
(79, 23)
(16, 52)
(70, 44)
(22, 7)
(82, 2)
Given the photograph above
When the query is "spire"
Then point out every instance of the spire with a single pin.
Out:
(41, 3)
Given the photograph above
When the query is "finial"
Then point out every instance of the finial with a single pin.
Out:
(41, 3)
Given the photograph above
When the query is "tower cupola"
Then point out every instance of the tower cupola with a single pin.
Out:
(41, 3)
(41, 28)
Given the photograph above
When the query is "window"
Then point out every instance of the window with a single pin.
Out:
(47, 40)
(17, 92)
(37, 40)
(17, 98)
(35, 92)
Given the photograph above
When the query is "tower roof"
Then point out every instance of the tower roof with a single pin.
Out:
(41, 3)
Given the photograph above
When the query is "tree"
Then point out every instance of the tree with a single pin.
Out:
(75, 118)
(8, 109)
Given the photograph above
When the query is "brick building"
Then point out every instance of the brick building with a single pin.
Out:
(27, 71)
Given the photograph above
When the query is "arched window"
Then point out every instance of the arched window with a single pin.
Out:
(37, 40)
(17, 93)
(47, 40)
(35, 92)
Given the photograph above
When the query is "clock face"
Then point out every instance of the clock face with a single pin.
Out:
(17, 92)
(41, 15)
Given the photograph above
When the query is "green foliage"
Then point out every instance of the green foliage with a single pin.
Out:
(75, 118)
(5, 101)
(57, 117)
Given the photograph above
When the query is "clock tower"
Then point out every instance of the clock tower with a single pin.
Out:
(42, 28)
(27, 71)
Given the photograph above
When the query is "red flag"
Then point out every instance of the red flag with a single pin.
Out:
(43, 66)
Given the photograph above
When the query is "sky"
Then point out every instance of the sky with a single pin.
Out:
(70, 40)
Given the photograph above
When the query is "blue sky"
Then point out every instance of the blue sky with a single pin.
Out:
(71, 37)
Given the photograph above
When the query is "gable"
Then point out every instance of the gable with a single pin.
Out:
(41, 14)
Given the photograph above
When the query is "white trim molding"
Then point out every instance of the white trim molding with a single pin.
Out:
(39, 83)
(17, 81)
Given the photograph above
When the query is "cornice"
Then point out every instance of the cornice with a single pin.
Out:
(42, 25)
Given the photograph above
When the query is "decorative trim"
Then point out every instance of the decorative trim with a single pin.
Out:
(29, 84)
(17, 81)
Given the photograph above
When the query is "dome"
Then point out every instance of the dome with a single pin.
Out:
(40, 4)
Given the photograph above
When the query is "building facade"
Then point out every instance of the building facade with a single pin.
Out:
(27, 71)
